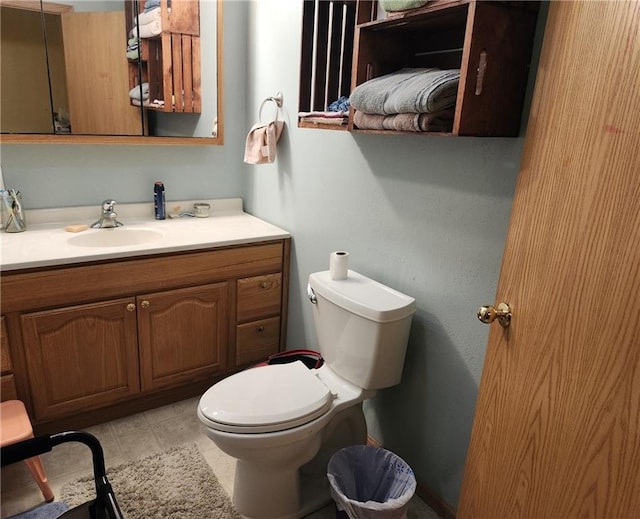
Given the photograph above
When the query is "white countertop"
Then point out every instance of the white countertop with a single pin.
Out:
(46, 243)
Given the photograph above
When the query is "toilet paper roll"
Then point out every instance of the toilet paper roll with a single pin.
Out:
(338, 264)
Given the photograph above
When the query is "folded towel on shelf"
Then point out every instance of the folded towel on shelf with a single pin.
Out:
(328, 115)
(338, 121)
(156, 103)
(153, 15)
(335, 118)
(140, 91)
(148, 30)
(402, 122)
(417, 90)
(151, 4)
(260, 146)
(339, 105)
(401, 5)
(365, 121)
(441, 121)
(133, 51)
(406, 122)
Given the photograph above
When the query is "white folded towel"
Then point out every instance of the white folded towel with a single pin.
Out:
(150, 16)
(136, 92)
(148, 30)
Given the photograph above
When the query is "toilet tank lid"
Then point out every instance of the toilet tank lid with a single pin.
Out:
(363, 296)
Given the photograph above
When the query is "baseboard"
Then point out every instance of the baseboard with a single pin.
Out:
(434, 501)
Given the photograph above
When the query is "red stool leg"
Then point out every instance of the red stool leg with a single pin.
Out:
(37, 471)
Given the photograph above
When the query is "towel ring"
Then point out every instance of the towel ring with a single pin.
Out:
(277, 99)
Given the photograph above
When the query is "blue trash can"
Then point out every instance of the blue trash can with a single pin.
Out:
(370, 483)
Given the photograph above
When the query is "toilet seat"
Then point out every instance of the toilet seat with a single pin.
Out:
(265, 399)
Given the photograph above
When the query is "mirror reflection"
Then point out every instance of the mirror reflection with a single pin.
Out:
(110, 68)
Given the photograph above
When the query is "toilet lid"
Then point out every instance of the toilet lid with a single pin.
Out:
(265, 399)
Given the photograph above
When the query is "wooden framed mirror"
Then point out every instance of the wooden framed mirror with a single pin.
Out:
(93, 72)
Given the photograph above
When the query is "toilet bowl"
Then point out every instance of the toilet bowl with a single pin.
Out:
(275, 419)
(283, 422)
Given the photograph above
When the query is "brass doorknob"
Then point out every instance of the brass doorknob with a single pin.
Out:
(487, 314)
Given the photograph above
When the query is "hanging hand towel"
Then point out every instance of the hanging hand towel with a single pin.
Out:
(260, 147)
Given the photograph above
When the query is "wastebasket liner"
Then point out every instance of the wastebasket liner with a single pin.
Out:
(370, 482)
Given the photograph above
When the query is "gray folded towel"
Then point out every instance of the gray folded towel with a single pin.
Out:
(410, 90)
(401, 5)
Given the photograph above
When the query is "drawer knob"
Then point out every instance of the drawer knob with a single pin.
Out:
(131, 307)
(145, 304)
(261, 328)
(264, 284)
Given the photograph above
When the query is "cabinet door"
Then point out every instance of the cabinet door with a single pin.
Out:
(5, 357)
(81, 357)
(7, 380)
(183, 335)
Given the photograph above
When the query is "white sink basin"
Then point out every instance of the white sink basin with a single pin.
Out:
(116, 237)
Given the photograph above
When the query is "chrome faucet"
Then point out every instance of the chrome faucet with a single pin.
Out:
(108, 218)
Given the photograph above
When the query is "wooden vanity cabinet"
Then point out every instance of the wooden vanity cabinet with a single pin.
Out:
(7, 379)
(94, 337)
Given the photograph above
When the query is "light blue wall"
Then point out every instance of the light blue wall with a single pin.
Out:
(424, 215)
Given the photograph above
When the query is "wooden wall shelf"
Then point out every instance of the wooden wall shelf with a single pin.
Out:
(489, 42)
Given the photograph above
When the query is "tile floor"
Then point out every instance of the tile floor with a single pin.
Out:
(130, 438)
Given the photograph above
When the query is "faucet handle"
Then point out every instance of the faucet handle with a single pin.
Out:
(108, 205)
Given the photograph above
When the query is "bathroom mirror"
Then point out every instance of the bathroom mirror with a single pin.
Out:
(74, 71)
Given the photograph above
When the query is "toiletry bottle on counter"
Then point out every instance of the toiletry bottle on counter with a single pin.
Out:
(158, 201)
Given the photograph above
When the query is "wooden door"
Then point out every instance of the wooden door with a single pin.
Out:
(183, 335)
(557, 426)
(97, 69)
(81, 357)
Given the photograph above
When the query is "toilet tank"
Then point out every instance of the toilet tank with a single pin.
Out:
(362, 328)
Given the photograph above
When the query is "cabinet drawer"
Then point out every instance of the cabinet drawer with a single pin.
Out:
(257, 340)
(259, 296)
(5, 357)
(8, 388)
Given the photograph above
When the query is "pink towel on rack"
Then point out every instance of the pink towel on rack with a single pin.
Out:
(260, 147)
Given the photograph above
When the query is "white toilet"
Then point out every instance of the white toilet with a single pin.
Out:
(283, 422)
